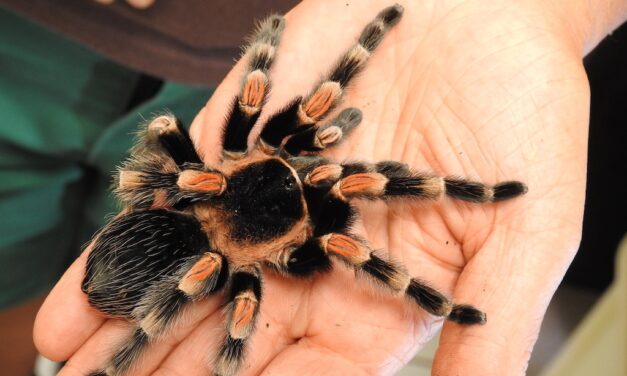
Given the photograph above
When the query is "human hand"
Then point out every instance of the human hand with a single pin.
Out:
(139, 4)
(486, 91)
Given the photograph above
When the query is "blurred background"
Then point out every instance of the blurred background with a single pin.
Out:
(585, 327)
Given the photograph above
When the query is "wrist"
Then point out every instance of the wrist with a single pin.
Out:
(584, 23)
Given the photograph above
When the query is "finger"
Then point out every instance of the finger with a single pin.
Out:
(298, 66)
(95, 353)
(512, 281)
(192, 356)
(274, 331)
(535, 237)
(141, 4)
(66, 320)
(501, 346)
(206, 129)
(364, 325)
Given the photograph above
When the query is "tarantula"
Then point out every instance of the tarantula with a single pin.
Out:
(190, 229)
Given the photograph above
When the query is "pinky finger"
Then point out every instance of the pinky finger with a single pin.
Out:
(66, 320)
(141, 4)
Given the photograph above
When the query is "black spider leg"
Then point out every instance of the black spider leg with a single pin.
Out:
(156, 311)
(316, 139)
(357, 254)
(145, 266)
(242, 311)
(303, 113)
(246, 107)
(329, 187)
(313, 257)
(164, 169)
(165, 133)
(388, 180)
(332, 223)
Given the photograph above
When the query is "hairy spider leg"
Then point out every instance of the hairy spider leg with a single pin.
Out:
(247, 106)
(328, 186)
(164, 169)
(190, 273)
(357, 254)
(317, 139)
(313, 256)
(328, 189)
(391, 179)
(303, 113)
(242, 311)
(165, 133)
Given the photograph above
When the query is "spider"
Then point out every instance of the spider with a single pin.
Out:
(189, 230)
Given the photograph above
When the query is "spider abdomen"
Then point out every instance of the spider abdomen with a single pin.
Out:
(133, 252)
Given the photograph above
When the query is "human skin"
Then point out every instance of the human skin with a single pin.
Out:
(493, 91)
(139, 4)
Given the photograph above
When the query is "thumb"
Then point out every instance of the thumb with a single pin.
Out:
(512, 279)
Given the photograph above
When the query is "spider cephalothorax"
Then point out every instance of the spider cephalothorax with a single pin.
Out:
(190, 229)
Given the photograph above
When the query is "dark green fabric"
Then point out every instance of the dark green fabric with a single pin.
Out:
(64, 127)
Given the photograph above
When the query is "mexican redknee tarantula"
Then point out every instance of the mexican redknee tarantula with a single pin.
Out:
(190, 229)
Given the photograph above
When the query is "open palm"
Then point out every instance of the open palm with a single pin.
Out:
(482, 91)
